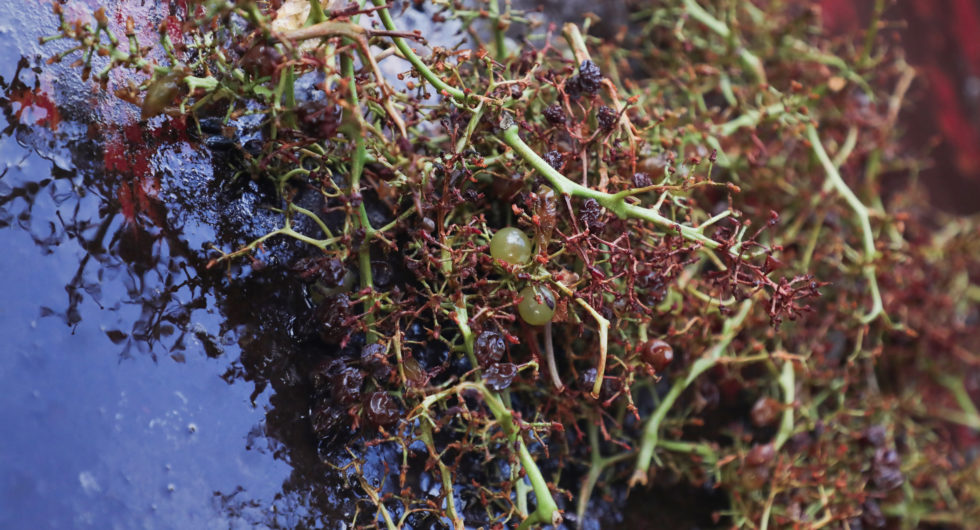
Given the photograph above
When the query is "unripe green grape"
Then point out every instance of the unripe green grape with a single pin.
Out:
(537, 306)
(510, 245)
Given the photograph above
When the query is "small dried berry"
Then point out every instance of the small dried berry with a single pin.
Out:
(261, 60)
(708, 396)
(381, 171)
(555, 114)
(414, 373)
(654, 285)
(607, 118)
(321, 121)
(641, 180)
(586, 380)
(554, 159)
(161, 93)
(876, 435)
(373, 359)
(321, 376)
(382, 273)
(434, 355)
(754, 477)
(591, 215)
(589, 77)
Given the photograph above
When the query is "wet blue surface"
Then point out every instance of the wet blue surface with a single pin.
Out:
(97, 438)
(124, 403)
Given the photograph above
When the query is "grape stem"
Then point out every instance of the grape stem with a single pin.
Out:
(863, 217)
(549, 352)
(651, 433)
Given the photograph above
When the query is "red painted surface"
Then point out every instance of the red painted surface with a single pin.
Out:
(942, 40)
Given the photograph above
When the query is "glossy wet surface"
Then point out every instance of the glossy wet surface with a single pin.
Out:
(139, 389)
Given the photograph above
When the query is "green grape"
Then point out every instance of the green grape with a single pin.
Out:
(510, 245)
(537, 306)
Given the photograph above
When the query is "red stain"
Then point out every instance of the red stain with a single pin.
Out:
(173, 29)
(35, 107)
(126, 206)
(128, 154)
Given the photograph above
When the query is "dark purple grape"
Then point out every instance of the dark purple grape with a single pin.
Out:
(322, 374)
(489, 348)
(381, 409)
(609, 388)
(754, 477)
(586, 379)
(331, 316)
(382, 274)
(434, 355)
(381, 171)
(500, 375)
(328, 271)
(329, 423)
(261, 60)
(756, 469)
(372, 352)
(654, 285)
(586, 382)
(876, 435)
(709, 395)
(318, 120)
(347, 386)
(374, 360)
